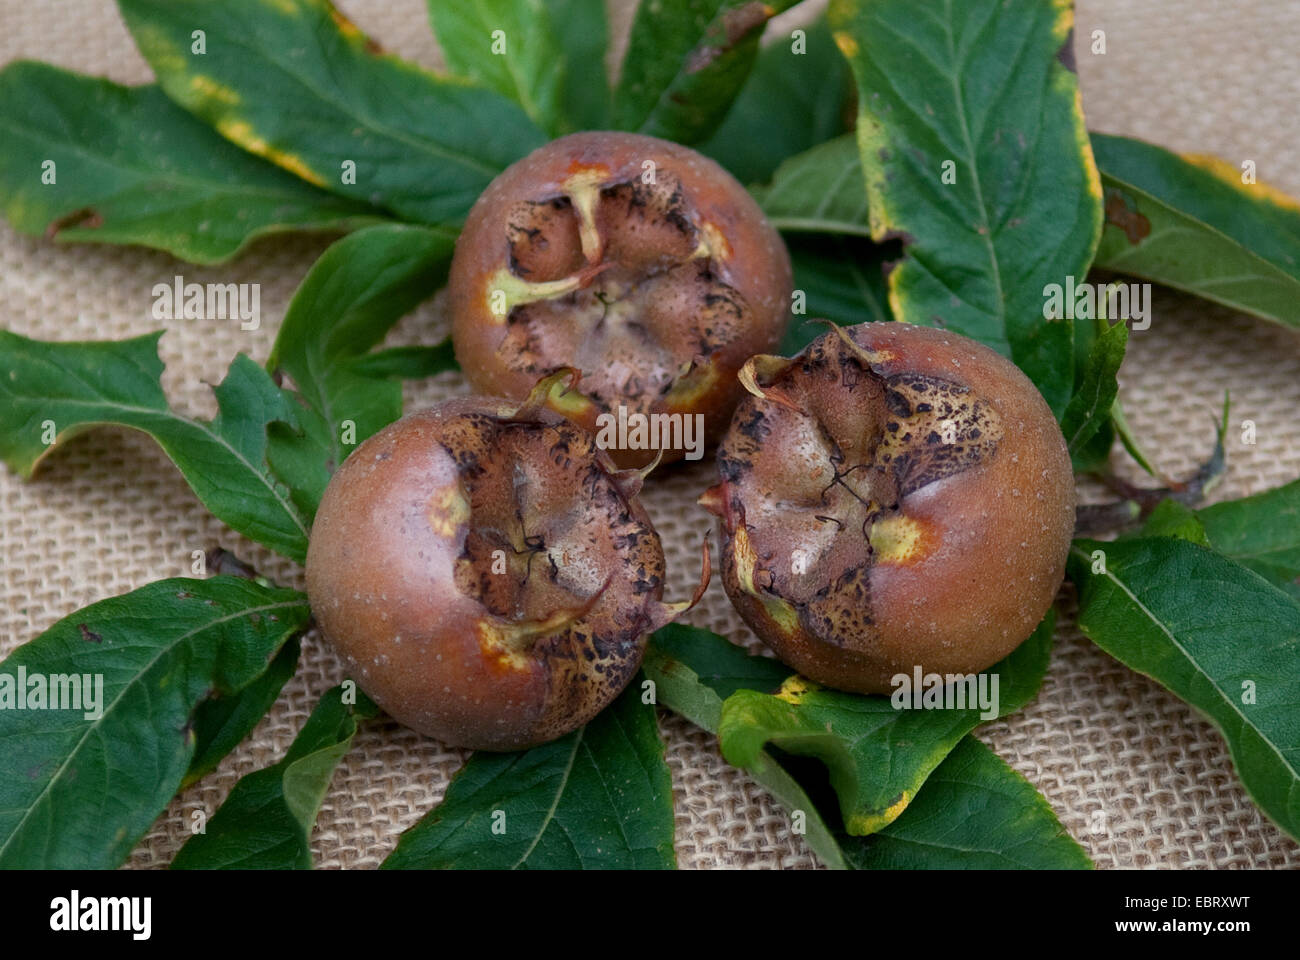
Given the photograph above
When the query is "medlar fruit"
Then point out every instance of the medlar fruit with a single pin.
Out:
(641, 263)
(486, 575)
(892, 497)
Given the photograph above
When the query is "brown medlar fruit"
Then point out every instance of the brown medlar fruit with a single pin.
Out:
(639, 262)
(486, 575)
(894, 496)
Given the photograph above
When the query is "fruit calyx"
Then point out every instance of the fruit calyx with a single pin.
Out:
(617, 271)
(818, 469)
(548, 526)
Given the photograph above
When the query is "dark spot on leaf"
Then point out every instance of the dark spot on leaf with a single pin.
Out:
(87, 218)
(736, 25)
(698, 59)
(89, 635)
(1126, 216)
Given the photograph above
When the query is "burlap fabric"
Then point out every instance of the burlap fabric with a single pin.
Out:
(1136, 776)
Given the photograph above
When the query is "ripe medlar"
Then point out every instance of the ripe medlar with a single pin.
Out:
(892, 497)
(486, 575)
(641, 263)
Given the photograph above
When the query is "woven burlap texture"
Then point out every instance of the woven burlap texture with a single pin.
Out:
(1134, 774)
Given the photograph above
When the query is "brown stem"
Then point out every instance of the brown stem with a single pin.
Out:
(1136, 503)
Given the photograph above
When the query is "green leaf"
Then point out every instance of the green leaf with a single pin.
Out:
(222, 723)
(975, 813)
(791, 102)
(820, 190)
(686, 61)
(1094, 456)
(843, 280)
(65, 388)
(878, 755)
(842, 277)
(266, 821)
(78, 792)
(406, 363)
(1090, 407)
(977, 86)
(352, 296)
(582, 31)
(693, 671)
(1260, 532)
(129, 166)
(599, 798)
(293, 81)
(1190, 223)
(301, 457)
(507, 45)
(1127, 437)
(1172, 519)
(718, 666)
(1218, 636)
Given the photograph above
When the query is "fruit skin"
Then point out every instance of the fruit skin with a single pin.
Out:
(400, 576)
(644, 250)
(965, 566)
